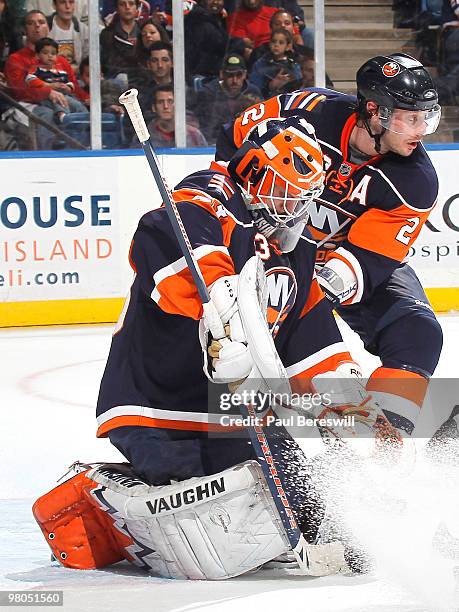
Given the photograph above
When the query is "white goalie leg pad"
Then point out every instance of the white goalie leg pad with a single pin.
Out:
(206, 528)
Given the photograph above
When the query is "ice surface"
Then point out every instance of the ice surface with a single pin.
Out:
(49, 382)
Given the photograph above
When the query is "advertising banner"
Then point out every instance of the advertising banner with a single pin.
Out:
(66, 224)
(435, 254)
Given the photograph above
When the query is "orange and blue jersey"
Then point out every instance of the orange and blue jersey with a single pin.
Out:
(154, 374)
(369, 213)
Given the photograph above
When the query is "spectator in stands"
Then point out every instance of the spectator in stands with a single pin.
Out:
(10, 39)
(110, 91)
(71, 35)
(48, 72)
(206, 38)
(149, 33)
(47, 8)
(277, 68)
(159, 72)
(280, 20)
(109, 11)
(18, 66)
(447, 82)
(162, 128)
(306, 61)
(220, 100)
(19, 63)
(251, 23)
(118, 41)
(292, 8)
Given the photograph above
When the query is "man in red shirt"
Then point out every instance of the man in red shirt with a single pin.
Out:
(251, 23)
(20, 63)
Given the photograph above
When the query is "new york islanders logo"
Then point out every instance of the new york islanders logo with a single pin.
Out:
(391, 69)
(282, 292)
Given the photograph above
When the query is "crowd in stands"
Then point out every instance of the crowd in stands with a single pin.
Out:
(436, 27)
(237, 52)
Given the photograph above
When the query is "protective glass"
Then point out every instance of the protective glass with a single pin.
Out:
(410, 123)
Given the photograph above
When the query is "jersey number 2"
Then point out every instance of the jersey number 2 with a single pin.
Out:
(404, 233)
(253, 114)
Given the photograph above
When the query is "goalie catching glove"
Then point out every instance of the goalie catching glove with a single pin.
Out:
(248, 350)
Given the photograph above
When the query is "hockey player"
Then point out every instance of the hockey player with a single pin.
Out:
(194, 504)
(380, 187)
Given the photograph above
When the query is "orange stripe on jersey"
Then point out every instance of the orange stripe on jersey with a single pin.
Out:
(219, 166)
(301, 383)
(346, 133)
(200, 198)
(299, 98)
(409, 385)
(315, 296)
(315, 102)
(131, 262)
(133, 420)
(228, 227)
(142, 421)
(177, 293)
(388, 232)
(252, 116)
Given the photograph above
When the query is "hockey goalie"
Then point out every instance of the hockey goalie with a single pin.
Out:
(193, 502)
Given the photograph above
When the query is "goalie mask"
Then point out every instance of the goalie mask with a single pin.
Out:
(279, 167)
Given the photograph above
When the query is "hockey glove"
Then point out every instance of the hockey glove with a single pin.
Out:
(227, 360)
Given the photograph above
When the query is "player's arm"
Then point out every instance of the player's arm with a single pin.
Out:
(157, 259)
(318, 362)
(232, 134)
(167, 281)
(311, 343)
(376, 245)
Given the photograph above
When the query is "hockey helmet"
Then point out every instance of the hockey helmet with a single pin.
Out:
(280, 169)
(399, 81)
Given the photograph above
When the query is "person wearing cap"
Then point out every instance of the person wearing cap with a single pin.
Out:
(380, 187)
(222, 98)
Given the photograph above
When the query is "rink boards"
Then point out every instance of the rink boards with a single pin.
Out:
(66, 221)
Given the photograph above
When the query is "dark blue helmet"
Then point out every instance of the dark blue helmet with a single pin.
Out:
(396, 81)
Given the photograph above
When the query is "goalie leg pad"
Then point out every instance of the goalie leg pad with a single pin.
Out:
(79, 535)
(206, 528)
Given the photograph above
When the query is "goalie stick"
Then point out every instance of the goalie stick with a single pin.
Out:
(259, 441)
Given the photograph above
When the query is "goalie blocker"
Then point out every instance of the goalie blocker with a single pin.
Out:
(206, 528)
